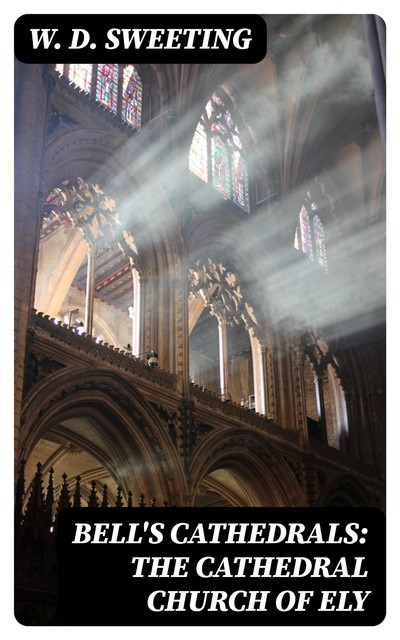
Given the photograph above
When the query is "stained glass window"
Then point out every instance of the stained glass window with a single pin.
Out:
(228, 119)
(305, 231)
(120, 92)
(219, 127)
(132, 97)
(319, 238)
(107, 85)
(310, 236)
(216, 153)
(240, 186)
(81, 75)
(198, 153)
(220, 166)
(209, 109)
(218, 101)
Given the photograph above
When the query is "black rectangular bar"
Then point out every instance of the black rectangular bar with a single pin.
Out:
(153, 38)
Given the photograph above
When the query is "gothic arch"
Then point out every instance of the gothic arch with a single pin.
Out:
(345, 491)
(80, 150)
(120, 166)
(103, 414)
(145, 222)
(261, 476)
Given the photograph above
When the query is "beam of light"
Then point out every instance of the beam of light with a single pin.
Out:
(323, 97)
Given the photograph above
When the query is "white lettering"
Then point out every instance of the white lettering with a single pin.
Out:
(42, 35)
(76, 33)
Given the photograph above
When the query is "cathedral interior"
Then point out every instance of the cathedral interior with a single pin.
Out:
(200, 280)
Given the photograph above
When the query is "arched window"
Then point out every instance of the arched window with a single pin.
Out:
(310, 236)
(324, 397)
(117, 87)
(226, 353)
(89, 281)
(216, 153)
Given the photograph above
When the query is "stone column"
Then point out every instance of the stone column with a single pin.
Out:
(300, 398)
(223, 357)
(31, 103)
(180, 332)
(148, 304)
(321, 406)
(136, 319)
(262, 356)
(90, 282)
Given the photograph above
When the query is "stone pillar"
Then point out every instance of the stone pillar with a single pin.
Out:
(319, 387)
(270, 381)
(290, 412)
(31, 101)
(223, 357)
(136, 318)
(353, 419)
(148, 301)
(180, 332)
(90, 282)
(300, 398)
(262, 356)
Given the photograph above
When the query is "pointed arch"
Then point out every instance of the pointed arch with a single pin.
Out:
(102, 413)
(245, 471)
(216, 291)
(344, 491)
(324, 397)
(217, 155)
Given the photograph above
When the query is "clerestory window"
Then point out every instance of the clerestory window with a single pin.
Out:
(217, 155)
(310, 235)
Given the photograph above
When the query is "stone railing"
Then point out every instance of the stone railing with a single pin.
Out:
(101, 350)
(234, 410)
